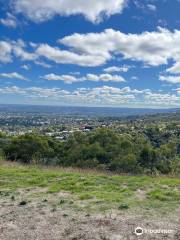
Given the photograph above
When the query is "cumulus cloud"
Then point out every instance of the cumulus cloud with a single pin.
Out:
(13, 75)
(159, 99)
(116, 69)
(9, 21)
(69, 79)
(68, 57)
(18, 50)
(43, 10)
(10, 49)
(32, 92)
(5, 52)
(65, 78)
(152, 48)
(95, 49)
(170, 79)
(104, 78)
(98, 96)
(13, 90)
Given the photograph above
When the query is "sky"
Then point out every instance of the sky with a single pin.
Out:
(118, 53)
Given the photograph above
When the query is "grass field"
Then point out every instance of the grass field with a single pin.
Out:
(88, 193)
(110, 191)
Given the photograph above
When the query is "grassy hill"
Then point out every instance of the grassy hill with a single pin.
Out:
(79, 194)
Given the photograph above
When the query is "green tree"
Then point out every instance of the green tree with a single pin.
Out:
(149, 158)
(28, 148)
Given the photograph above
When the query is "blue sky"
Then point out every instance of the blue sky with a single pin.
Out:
(120, 53)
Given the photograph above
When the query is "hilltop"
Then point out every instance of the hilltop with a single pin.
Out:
(56, 203)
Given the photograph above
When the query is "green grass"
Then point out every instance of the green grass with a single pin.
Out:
(96, 191)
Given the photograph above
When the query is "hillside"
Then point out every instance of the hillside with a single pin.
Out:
(40, 203)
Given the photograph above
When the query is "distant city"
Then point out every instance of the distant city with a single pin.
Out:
(61, 122)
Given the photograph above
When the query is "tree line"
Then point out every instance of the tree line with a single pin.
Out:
(132, 152)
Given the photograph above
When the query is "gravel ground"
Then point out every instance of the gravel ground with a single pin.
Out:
(37, 218)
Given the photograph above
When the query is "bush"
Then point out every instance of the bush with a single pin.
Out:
(28, 149)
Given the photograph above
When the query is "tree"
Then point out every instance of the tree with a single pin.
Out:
(124, 164)
(27, 148)
(149, 158)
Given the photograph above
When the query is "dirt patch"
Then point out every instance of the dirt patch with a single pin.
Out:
(40, 218)
(140, 194)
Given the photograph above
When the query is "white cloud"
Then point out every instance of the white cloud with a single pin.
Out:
(5, 52)
(116, 69)
(97, 96)
(144, 7)
(13, 75)
(175, 68)
(178, 91)
(94, 11)
(13, 90)
(9, 21)
(151, 7)
(18, 50)
(31, 92)
(65, 78)
(170, 79)
(46, 92)
(67, 57)
(95, 49)
(152, 48)
(105, 78)
(134, 78)
(26, 67)
(89, 77)
(9, 49)
(159, 99)
(42, 64)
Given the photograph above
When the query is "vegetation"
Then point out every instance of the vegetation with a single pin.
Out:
(97, 191)
(149, 151)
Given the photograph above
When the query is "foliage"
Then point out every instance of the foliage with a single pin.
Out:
(130, 152)
(27, 148)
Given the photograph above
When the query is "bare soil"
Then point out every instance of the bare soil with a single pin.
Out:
(33, 215)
